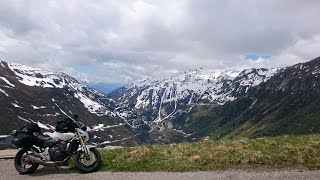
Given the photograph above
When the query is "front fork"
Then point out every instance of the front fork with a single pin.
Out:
(83, 145)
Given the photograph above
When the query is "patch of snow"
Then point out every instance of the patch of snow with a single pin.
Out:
(36, 107)
(23, 119)
(2, 64)
(206, 138)
(16, 105)
(253, 104)
(51, 127)
(43, 126)
(97, 128)
(91, 105)
(102, 127)
(6, 81)
(119, 140)
(63, 112)
(317, 71)
(1, 90)
(56, 114)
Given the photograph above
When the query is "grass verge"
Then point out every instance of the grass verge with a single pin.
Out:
(269, 152)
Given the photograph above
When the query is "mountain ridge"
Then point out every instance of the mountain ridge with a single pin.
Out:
(164, 106)
(286, 104)
(33, 95)
(188, 106)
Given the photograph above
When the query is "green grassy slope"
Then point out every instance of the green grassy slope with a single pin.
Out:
(270, 152)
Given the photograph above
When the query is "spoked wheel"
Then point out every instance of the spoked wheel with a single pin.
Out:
(88, 163)
(22, 163)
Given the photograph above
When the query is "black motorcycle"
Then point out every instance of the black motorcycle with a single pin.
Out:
(55, 149)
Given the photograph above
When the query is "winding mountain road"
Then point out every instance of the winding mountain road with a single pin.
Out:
(8, 172)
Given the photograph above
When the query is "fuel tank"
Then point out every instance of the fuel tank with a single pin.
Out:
(60, 136)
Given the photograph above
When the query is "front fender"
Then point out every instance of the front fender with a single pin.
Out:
(88, 147)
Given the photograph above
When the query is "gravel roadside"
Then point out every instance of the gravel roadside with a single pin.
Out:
(8, 172)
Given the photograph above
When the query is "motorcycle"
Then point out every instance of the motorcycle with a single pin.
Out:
(54, 149)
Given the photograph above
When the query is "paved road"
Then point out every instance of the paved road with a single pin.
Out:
(8, 153)
(8, 172)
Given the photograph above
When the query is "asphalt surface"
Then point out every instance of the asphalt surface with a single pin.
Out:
(8, 153)
(7, 172)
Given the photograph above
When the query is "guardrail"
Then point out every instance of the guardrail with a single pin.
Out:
(4, 139)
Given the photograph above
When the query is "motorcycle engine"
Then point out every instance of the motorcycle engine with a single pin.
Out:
(58, 152)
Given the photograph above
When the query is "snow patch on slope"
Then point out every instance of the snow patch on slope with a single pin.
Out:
(43, 126)
(2, 91)
(16, 105)
(2, 64)
(6, 81)
(36, 107)
(91, 105)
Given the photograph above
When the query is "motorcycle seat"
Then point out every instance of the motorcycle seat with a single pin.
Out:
(45, 140)
(42, 137)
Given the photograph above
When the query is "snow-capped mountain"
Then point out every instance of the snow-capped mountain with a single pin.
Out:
(32, 95)
(199, 103)
(287, 103)
(153, 102)
(90, 98)
(185, 106)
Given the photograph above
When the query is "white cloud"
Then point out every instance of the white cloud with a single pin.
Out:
(123, 41)
(302, 50)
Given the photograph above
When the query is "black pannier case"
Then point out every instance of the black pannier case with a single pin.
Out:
(24, 137)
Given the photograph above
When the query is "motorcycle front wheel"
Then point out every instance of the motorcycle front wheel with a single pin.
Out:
(22, 163)
(88, 163)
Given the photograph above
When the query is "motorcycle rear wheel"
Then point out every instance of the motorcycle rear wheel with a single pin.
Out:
(88, 164)
(22, 164)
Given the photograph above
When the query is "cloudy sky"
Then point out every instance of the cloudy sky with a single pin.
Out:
(119, 41)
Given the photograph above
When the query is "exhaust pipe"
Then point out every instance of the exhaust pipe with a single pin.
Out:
(36, 159)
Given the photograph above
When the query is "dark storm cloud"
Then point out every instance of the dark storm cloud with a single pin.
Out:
(128, 40)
